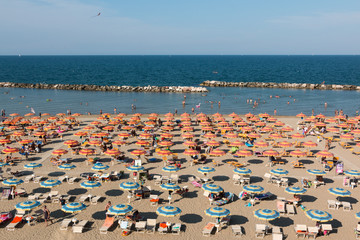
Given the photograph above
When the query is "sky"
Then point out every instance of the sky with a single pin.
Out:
(174, 27)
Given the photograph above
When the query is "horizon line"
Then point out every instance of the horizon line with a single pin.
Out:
(21, 55)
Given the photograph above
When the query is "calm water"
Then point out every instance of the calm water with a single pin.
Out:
(179, 70)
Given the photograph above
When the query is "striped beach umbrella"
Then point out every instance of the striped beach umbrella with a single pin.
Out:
(90, 184)
(59, 152)
(213, 143)
(217, 152)
(32, 165)
(271, 152)
(167, 135)
(5, 141)
(297, 136)
(295, 190)
(39, 134)
(266, 214)
(253, 188)
(340, 192)
(119, 142)
(12, 182)
(71, 143)
(187, 135)
(10, 150)
(142, 143)
(86, 151)
(27, 205)
(301, 115)
(254, 135)
(50, 183)
(95, 142)
(285, 144)
(318, 215)
(165, 143)
(230, 135)
(99, 167)
(297, 153)
(138, 152)
(190, 152)
(209, 134)
(316, 172)
(66, 166)
(244, 153)
(170, 168)
(125, 135)
(190, 144)
(168, 211)
(325, 154)
(237, 143)
(73, 207)
(206, 170)
(129, 186)
(212, 188)
(217, 212)
(169, 186)
(309, 144)
(134, 168)
(275, 136)
(119, 209)
(352, 173)
(88, 128)
(242, 171)
(279, 172)
(287, 129)
(81, 134)
(164, 152)
(261, 144)
(112, 152)
(187, 128)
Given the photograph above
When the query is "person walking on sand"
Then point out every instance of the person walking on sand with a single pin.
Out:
(47, 215)
(108, 205)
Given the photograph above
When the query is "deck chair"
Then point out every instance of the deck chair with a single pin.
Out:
(278, 236)
(140, 226)
(176, 228)
(357, 231)
(162, 229)
(236, 179)
(208, 229)
(174, 178)
(72, 180)
(78, 228)
(16, 220)
(300, 230)
(109, 221)
(94, 200)
(331, 204)
(65, 224)
(281, 207)
(5, 194)
(259, 232)
(237, 230)
(150, 226)
(38, 179)
(157, 179)
(346, 206)
(28, 178)
(290, 209)
(62, 178)
(84, 198)
(154, 200)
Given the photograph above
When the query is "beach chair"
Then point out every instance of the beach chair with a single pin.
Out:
(346, 206)
(79, 227)
(154, 200)
(94, 200)
(28, 178)
(163, 228)
(263, 196)
(150, 226)
(140, 226)
(207, 230)
(176, 229)
(65, 224)
(84, 198)
(174, 178)
(35, 196)
(236, 179)
(5, 194)
(109, 221)
(157, 179)
(277, 233)
(38, 179)
(16, 220)
(62, 178)
(331, 204)
(281, 207)
(312, 232)
(300, 230)
(290, 209)
(268, 177)
(260, 231)
(357, 231)
(125, 225)
(237, 230)
(72, 180)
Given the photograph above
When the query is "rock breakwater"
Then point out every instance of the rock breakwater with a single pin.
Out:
(79, 87)
(280, 85)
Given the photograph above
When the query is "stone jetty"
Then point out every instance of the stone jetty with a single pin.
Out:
(279, 85)
(78, 87)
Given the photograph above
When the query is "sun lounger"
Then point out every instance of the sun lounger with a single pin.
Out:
(281, 207)
(237, 230)
(16, 220)
(229, 197)
(34, 196)
(331, 204)
(300, 230)
(150, 226)
(260, 230)
(263, 196)
(109, 221)
(78, 228)
(62, 178)
(154, 200)
(5, 194)
(38, 179)
(72, 180)
(312, 232)
(357, 231)
(65, 224)
(163, 228)
(290, 209)
(94, 200)
(125, 225)
(158, 180)
(346, 206)
(140, 226)
(176, 229)
(28, 178)
(84, 198)
(208, 229)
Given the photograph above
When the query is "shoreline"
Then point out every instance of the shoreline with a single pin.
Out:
(311, 86)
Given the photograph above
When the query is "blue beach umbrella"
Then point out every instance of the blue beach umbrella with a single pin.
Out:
(266, 214)
(168, 211)
(67, 166)
(32, 165)
(206, 170)
(169, 186)
(27, 205)
(357, 215)
(50, 183)
(316, 172)
(279, 172)
(3, 164)
(319, 216)
(135, 168)
(340, 192)
(90, 184)
(12, 182)
(119, 209)
(354, 173)
(73, 207)
(242, 171)
(253, 189)
(99, 167)
(129, 186)
(212, 188)
(217, 212)
(170, 169)
(295, 190)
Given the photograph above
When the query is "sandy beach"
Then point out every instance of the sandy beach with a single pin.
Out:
(194, 203)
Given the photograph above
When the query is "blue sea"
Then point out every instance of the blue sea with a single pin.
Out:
(184, 71)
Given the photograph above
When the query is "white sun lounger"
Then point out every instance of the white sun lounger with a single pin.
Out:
(78, 228)
(94, 200)
(65, 224)
(237, 230)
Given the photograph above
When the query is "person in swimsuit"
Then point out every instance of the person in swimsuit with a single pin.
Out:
(47, 216)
